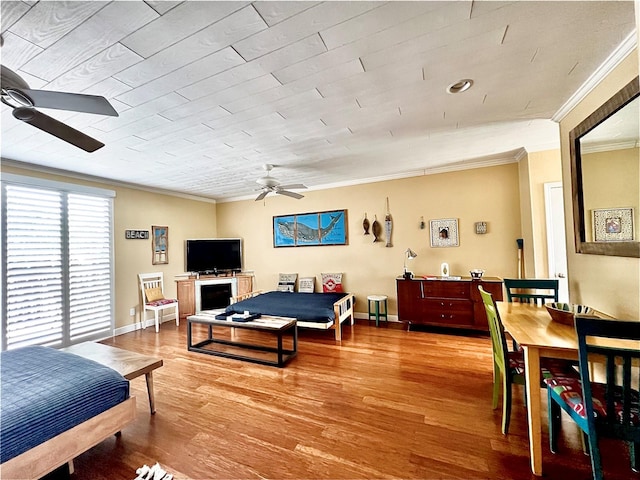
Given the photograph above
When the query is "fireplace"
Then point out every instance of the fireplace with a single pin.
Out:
(215, 293)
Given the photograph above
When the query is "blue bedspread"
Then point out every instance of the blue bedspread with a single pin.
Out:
(306, 307)
(45, 392)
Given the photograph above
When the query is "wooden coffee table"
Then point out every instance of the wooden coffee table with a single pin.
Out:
(277, 326)
(128, 364)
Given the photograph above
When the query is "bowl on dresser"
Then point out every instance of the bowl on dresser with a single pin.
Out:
(476, 273)
(566, 312)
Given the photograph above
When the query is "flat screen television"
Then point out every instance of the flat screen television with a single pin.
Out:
(214, 255)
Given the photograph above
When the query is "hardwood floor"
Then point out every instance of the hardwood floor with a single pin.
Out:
(387, 403)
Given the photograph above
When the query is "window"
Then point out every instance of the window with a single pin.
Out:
(57, 283)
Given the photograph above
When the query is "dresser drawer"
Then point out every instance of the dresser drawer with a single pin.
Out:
(445, 311)
(447, 289)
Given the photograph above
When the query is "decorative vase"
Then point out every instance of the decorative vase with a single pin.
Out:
(444, 269)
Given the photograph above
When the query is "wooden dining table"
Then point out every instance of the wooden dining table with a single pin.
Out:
(531, 327)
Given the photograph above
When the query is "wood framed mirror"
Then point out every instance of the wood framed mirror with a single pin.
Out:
(605, 177)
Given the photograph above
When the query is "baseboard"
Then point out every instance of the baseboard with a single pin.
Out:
(364, 316)
(150, 322)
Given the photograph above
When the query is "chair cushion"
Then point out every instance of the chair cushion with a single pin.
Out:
(570, 391)
(153, 294)
(549, 367)
(163, 301)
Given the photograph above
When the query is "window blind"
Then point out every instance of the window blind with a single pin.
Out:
(57, 259)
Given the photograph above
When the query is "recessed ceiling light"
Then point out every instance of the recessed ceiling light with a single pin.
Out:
(460, 86)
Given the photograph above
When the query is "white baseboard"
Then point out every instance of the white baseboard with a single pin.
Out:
(138, 325)
(150, 323)
(364, 316)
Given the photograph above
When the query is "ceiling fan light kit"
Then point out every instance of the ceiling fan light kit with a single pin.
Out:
(23, 100)
(270, 184)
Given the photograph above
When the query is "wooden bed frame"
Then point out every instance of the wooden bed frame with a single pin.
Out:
(48, 456)
(342, 309)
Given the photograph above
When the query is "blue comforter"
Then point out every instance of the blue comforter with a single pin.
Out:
(305, 307)
(45, 392)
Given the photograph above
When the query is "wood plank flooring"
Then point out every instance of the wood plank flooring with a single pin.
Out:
(387, 403)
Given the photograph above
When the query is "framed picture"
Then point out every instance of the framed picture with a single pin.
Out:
(444, 232)
(310, 229)
(613, 225)
(159, 245)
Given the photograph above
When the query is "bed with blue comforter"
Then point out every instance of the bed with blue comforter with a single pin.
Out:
(312, 310)
(46, 392)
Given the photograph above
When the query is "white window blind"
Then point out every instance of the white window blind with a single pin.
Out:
(57, 259)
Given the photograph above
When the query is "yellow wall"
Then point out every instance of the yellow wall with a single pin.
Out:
(488, 194)
(610, 284)
(137, 209)
(544, 167)
(612, 180)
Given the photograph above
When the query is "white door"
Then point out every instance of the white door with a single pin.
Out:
(556, 237)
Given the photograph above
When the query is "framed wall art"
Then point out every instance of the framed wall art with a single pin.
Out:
(613, 225)
(159, 245)
(444, 232)
(310, 229)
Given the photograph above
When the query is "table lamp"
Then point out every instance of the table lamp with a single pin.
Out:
(409, 255)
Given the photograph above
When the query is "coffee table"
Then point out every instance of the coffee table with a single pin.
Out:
(280, 327)
(128, 364)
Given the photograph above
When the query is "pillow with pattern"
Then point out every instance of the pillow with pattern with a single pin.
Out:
(154, 294)
(307, 284)
(332, 283)
(287, 282)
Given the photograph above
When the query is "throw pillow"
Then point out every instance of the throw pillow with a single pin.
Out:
(332, 283)
(154, 294)
(287, 282)
(307, 284)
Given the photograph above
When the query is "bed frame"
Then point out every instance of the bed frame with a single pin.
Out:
(343, 309)
(48, 456)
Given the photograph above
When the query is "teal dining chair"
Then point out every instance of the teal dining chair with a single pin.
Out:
(609, 409)
(508, 365)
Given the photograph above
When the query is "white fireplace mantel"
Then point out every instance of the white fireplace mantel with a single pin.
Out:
(233, 281)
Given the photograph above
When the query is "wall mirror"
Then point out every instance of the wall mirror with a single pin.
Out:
(605, 177)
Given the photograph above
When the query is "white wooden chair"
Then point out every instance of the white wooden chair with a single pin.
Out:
(152, 290)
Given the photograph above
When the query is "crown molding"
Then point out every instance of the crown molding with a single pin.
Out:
(104, 181)
(611, 62)
(504, 158)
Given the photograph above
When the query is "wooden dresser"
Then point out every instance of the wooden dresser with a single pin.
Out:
(186, 290)
(446, 303)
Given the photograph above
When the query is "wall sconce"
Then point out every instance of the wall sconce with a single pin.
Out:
(409, 255)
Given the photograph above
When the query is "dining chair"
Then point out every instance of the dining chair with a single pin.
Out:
(152, 290)
(532, 290)
(508, 365)
(609, 409)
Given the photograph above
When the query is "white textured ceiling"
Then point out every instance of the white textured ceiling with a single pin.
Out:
(332, 92)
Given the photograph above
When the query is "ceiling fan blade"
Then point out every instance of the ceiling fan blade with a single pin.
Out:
(261, 196)
(295, 195)
(57, 128)
(75, 102)
(292, 186)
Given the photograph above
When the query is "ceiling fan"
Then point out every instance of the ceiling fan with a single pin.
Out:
(270, 184)
(17, 95)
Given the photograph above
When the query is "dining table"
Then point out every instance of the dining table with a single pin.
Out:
(531, 326)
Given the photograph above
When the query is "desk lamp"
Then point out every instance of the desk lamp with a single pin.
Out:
(409, 255)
